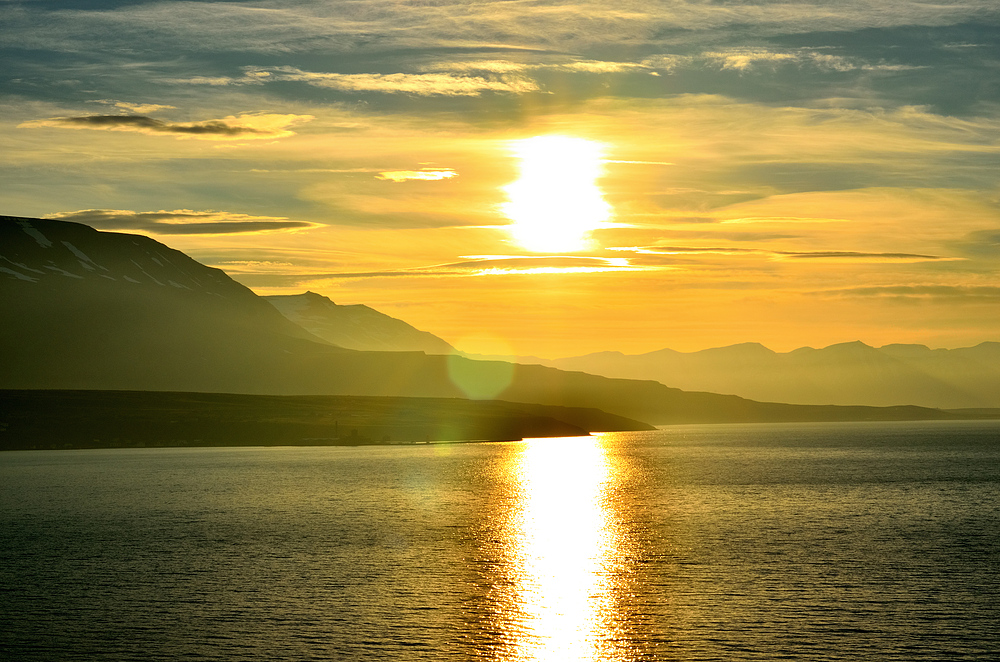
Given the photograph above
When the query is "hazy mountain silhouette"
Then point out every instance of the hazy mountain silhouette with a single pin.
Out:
(356, 326)
(84, 309)
(846, 374)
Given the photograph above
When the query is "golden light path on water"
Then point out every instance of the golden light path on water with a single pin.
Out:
(563, 544)
(556, 202)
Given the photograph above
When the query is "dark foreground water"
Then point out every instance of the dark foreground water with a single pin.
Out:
(810, 542)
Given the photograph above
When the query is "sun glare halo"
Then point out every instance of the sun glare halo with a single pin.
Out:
(556, 203)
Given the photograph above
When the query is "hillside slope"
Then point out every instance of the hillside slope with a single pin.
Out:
(93, 310)
(356, 326)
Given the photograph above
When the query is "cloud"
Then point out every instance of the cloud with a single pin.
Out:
(738, 59)
(509, 265)
(417, 84)
(408, 175)
(510, 67)
(657, 163)
(324, 26)
(428, 84)
(473, 266)
(747, 220)
(180, 221)
(920, 292)
(139, 108)
(741, 60)
(839, 256)
(665, 62)
(853, 256)
(490, 66)
(216, 81)
(257, 264)
(980, 244)
(477, 262)
(244, 127)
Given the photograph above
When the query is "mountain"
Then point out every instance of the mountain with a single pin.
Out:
(844, 374)
(356, 326)
(83, 309)
(89, 309)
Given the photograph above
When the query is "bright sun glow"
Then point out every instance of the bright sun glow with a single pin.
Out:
(556, 202)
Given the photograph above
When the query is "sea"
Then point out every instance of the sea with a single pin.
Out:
(846, 541)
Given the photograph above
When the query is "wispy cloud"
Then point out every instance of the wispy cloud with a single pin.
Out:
(748, 220)
(140, 108)
(425, 84)
(324, 25)
(502, 265)
(180, 221)
(838, 256)
(244, 127)
(740, 59)
(419, 175)
(960, 292)
(980, 244)
(735, 59)
(474, 266)
(512, 67)
(744, 59)
(666, 62)
(657, 163)
(854, 256)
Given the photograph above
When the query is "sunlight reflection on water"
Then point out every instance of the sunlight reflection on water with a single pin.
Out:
(563, 541)
(823, 542)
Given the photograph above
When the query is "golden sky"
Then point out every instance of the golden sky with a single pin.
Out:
(546, 178)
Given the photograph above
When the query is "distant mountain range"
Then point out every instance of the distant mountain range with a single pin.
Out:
(356, 326)
(844, 374)
(83, 309)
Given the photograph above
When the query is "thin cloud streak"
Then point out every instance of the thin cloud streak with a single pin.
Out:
(918, 292)
(180, 221)
(477, 266)
(418, 175)
(245, 127)
(430, 84)
(783, 255)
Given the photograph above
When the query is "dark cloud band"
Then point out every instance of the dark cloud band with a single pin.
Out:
(247, 126)
(180, 222)
(215, 127)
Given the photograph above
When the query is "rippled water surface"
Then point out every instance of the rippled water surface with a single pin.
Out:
(817, 542)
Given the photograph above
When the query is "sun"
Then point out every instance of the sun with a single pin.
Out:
(556, 203)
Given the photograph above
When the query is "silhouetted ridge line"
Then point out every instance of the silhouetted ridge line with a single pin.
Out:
(845, 374)
(76, 316)
(356, 326)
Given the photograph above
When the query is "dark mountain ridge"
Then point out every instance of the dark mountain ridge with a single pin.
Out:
(89, 309)
(356, 326)
(84, 309)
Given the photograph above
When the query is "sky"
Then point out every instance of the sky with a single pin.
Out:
(537, 177)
